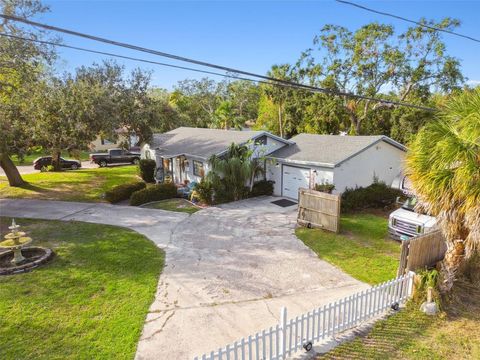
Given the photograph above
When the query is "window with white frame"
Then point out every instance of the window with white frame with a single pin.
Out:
(198, 168)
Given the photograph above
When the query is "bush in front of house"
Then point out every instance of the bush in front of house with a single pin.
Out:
(325, 187)
(203, 192)
(147, 170)
(262, 187)
(123, 191)
(376, 195)
(153, 193)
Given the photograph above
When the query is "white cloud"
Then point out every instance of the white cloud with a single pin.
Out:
(473, 82)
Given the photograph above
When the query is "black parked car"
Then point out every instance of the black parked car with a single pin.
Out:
(115, 156)
(39, 163)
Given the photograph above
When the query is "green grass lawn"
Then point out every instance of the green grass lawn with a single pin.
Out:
(179, 205)
(29, 158)
(89, 302)
(410, 334)
(71, 185)
(362, 248)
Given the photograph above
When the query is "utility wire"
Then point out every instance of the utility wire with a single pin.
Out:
(150, 61)
(131, 58)
(215, 66)
(408, 20)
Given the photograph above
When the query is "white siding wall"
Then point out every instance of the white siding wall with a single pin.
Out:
(189, 172)
(268, 148)
(274, 173)
(143, 152)
(381, 160)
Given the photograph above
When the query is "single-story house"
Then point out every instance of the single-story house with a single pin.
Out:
(344, 161)
(302, 161)
(123, 138)
(183, 153)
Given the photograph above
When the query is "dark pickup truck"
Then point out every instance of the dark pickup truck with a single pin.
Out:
(115, 156)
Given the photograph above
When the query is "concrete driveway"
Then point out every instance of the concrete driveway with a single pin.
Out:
(228, 270)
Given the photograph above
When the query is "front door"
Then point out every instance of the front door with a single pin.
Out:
(293, 179)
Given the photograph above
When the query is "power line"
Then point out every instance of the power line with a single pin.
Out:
(408, 20)
(129, 58)
(215, 66)
(150, 61)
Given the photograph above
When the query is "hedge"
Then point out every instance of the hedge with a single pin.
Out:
(146, 168)
(153, 193)
(123, 191)
(376, 195)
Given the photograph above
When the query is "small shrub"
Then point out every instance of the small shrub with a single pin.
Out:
(203, 191)
(147, 170)
(47, 168)
(153, 193)
(325, 187)
(376, 195)
(123, 191)
(263, 187)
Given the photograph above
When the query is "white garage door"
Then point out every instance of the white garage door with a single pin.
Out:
(294, 178)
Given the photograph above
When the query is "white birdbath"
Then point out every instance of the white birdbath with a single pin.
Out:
(15, 241)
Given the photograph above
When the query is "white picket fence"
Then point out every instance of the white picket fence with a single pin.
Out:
(290, 336)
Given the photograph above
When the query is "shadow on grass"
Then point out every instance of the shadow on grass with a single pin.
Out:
(386, 337)
(31, 187)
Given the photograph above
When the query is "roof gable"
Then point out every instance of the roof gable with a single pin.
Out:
(329, 150)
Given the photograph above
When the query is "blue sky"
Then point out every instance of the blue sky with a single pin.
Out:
(250, 35)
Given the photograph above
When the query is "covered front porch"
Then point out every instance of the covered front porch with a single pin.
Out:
(180, 169)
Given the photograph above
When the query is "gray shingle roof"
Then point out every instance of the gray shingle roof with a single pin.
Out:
(327, 150)
(199, 142)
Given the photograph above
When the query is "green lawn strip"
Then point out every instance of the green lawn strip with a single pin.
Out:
(389, 338)
(410, 334)
(179, 205)
(28, 159)
(70, 185)
(362, 249)
(89, 302)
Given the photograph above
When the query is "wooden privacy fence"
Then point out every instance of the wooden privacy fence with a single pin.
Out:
(422, 251)
(319, 210)
(301, 332)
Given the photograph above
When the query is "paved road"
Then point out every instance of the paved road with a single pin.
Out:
(228, 270)
(28, 169)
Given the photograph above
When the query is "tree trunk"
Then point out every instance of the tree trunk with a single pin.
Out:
(454, 259)
(357, 127)
(13, 176)
(56, 160)
(280, 124)
(354, 122)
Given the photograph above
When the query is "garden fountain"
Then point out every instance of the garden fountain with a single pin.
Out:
(17, 257)
(15, 241)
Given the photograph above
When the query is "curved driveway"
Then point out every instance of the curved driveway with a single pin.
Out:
(228, 270)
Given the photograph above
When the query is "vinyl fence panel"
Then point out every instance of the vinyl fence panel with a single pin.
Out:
(301, 332)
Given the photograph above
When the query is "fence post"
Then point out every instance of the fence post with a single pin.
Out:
(283, 326)
(402, 266)
(411, 278)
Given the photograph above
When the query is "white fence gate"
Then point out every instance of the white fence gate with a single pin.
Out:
(292, 335)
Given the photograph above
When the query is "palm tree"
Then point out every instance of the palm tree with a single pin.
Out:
(233, 171)
(229, 175)
(255, 169)
(443, 164)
